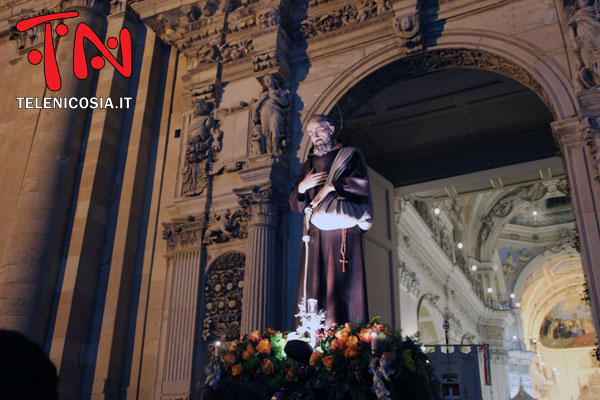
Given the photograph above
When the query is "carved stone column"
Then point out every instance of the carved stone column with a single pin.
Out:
(579, 142)
(259, 285)
(29, 267)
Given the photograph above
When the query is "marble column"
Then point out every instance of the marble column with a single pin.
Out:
(29, 267)
(579, 141)
(259, 280)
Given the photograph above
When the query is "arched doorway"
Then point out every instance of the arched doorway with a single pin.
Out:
(458, 146)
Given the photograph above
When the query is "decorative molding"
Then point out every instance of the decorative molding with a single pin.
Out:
(409, 279)
(223, 297)
(182, 235)
(30, 38)
(260, 202)
(590, 127)
(418, 64)
(266, 61)
(349, 14)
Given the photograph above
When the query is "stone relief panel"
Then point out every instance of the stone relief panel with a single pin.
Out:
(407, 28)
(348, 14)
(223, 297)
(226, 226)
(204, 141)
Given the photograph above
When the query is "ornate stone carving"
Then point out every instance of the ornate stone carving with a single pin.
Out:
(183, 234)
(203, 143)
(208, 53)
(270, 119)
(417, 64)
(585, 33)
(268, 18)
(223, 297)
(236, 50)
(260, 202)
(166, 25)
(591, 134)
(223, 227)
(408, 30)
(31, 37)
(347, 15)
(504, 206)
(265, 61)
(455, 324)
(564, 242)
(409, 279)
(241, 18)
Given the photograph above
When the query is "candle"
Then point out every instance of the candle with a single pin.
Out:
(217, 347)
(373, 342)
(312, 306)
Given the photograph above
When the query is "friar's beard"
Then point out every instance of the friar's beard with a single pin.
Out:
(323, 148)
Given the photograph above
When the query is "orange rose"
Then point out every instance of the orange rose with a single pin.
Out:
(315, 357)
(255, 336)
(337, 344)
(290, 375)
(348, 326)
(264, 346)
(267, 366)
(249, 350)
(229, 358)
(365, 335)
(236, 369)
(352, 341)
(377, 327)
(328, 362)
(351, 352)
(342, 334)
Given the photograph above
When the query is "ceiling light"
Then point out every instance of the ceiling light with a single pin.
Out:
(436, 211)
(489, 290)
(518, 305)
(474, 267)
(534, 213)
(512, 295)
(459, 245)
(514, 338)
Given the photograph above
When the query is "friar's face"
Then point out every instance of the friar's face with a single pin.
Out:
(320, 134)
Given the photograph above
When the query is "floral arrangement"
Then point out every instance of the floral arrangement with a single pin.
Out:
(343, 363)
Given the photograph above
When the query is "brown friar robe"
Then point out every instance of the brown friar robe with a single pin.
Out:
(342, 294)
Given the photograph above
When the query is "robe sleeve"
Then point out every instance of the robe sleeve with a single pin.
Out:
(353, 184)
(299, 201)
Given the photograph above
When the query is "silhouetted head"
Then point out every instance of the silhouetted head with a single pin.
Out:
(26, 372)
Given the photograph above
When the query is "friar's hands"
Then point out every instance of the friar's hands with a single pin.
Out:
(325, 190)
(311, 180)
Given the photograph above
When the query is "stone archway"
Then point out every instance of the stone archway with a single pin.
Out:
(525, 64)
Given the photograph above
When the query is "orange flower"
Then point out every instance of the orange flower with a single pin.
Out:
(365, 335)
(315, 357)
(267, 366)
(352, 341)
(328, 362)
(264, 346)
(229, 358)
(236, 369)
(351, 352)
(254, 336)
(377, 327)
(337, 344)
(290, 374)
(249, 350)
(348, 326)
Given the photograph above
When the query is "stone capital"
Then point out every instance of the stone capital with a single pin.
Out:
(261, 203)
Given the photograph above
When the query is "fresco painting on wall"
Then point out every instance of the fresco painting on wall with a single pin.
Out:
(568, 325)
